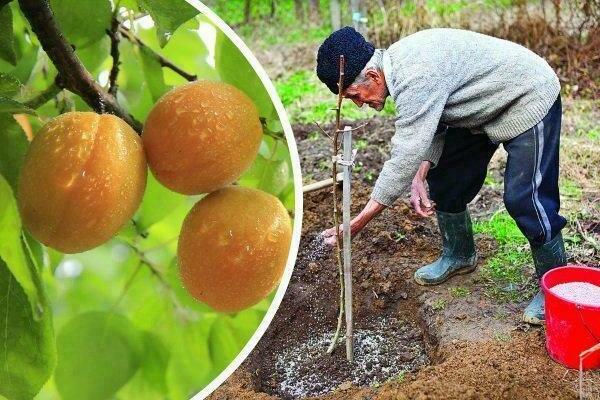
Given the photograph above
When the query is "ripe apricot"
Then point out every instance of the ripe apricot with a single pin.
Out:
(83, 177)
(201, 136)
(233, 247)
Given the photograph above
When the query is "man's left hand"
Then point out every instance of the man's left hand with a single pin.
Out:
(419, 198)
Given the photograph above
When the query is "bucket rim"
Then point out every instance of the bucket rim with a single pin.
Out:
(548, 292)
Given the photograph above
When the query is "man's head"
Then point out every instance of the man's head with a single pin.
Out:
(364, 81)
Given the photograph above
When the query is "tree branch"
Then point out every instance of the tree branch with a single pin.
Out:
(72, 74)
(163, 61)
(115, 38)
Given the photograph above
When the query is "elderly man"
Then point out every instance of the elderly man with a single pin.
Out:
(458, 96)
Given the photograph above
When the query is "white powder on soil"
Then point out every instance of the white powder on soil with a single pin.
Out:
(583, 293)
(387, 350)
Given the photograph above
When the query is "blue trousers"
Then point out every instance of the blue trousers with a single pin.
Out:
(531, 193)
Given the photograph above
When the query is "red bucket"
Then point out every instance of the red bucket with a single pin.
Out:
(571, 328)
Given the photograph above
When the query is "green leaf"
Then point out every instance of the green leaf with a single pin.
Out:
(13, 146)
(154, 363)
(54, 258)
(245, 324)
(157, 203)
(8, 105)
(28, 353)
(94, 55)
(98, 352)
(236, 70)
(11, 248)
(9, 85)
(168, 15)
(267, 175)
(190, 367)
(82, 22)
(7, 39)
(153, 73)
(288, 197)
(35, 250)
(223, 344)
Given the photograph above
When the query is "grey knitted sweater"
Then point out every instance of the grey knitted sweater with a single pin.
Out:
(449, 77)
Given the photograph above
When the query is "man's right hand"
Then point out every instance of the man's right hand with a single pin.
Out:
(419, 199)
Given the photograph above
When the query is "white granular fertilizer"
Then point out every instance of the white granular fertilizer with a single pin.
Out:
(583, 293)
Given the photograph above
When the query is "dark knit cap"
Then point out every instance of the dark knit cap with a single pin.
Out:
(357, 53)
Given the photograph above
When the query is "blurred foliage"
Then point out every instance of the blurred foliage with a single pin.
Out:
(115, 322)
(565, 33)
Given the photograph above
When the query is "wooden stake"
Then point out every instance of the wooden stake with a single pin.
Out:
(311, 187)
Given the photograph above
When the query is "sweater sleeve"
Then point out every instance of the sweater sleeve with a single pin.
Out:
(435, 150)
(419, 101)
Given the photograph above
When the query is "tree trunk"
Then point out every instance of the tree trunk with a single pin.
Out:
(359, 16)
(315, 10)
(299, 6)
(247, 11)
(273, 9)
(336, 14)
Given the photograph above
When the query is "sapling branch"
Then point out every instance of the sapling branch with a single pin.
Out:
(72, 74)
(352, 129)
(323, 131)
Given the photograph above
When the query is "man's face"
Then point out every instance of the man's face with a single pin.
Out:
(372, 92)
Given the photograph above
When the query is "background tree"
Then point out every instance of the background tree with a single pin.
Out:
(336, 14)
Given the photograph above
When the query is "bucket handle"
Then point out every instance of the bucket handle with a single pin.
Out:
(587, 352)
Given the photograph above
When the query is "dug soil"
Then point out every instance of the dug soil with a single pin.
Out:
(451, 341)
(475, 348)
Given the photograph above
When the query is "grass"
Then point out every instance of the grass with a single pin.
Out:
(439, 304)
(398, 236)
(571, 189)
(504, 271)
(308, 100)
(459, 292)
(490, 180)
(503, 228)
(361, 144)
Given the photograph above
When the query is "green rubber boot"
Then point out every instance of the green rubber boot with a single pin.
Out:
(545, 257)
(458, 254)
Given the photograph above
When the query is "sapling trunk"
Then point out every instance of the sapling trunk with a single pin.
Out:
(336, 222)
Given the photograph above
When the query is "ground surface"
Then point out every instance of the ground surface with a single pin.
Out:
(476, 348)
(460, 340)
(456, 340)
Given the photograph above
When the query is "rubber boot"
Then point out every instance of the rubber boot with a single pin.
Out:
(458, 254)
(545, 257)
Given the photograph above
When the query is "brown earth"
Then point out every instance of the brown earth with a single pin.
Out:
(451, 341)
(476, 347)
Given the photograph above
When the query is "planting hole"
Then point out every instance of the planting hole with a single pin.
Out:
(384, 351)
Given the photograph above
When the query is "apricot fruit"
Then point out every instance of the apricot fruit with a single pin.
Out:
(201, 136)
(233, 247)
(83, 177)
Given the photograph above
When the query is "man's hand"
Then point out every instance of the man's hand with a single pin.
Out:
(372, 209)
(418, 192)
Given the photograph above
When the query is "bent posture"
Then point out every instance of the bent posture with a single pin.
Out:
(458, 96)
